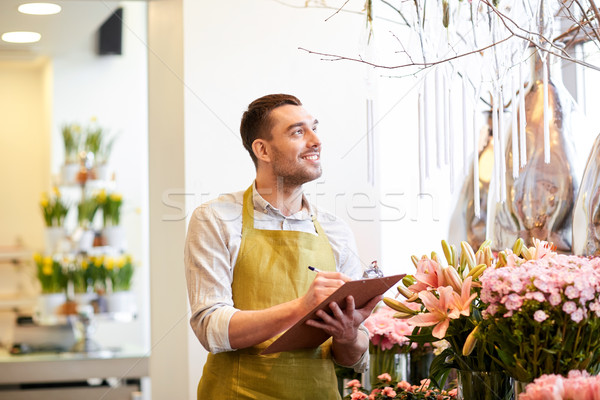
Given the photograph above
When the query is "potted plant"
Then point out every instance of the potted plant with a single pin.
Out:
(98, 143)
(111, 216)
(54, 211)
(87, 209)
(53, 282)
(119, 273)
(72, 137)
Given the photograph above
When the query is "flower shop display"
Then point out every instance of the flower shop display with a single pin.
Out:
(387, 388)
(110, 204)
(578, 385)
(447, 292)
(542, 311)
(389, 344)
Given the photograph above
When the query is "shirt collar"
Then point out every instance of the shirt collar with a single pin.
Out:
(264, 206)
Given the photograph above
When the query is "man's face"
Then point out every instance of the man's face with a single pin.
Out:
(295, 147)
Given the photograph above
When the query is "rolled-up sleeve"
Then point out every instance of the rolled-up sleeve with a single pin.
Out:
(209, 275)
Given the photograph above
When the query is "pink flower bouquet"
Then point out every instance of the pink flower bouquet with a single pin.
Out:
(388, 338)
(543, 311)
(578, 385)
(443, 302)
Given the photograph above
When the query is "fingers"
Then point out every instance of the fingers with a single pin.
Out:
(334, 276)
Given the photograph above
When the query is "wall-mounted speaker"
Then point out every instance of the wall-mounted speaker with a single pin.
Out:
(110, 34)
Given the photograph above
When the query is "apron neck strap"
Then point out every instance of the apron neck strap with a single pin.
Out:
(248, 214)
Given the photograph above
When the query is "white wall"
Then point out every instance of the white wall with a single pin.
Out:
(236, 51)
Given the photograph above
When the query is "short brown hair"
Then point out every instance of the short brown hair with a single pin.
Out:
(255, 121)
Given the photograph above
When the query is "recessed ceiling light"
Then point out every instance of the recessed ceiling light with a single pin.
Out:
(21, 37)
(39, 8)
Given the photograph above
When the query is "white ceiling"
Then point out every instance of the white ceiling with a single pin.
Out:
(77, 23)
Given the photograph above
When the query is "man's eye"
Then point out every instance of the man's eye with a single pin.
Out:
(298, 132)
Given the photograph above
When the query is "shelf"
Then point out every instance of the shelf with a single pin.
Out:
(17, 303)
(14, 255)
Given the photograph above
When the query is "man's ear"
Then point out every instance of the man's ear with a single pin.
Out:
(261, 150)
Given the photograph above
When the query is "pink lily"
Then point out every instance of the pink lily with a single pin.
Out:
(462, 302)
(429, 275)
(438, 311)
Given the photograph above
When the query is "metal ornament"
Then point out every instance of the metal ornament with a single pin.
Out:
(586, 215)
(539, 202)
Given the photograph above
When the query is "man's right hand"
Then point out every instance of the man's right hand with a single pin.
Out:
(322, 287)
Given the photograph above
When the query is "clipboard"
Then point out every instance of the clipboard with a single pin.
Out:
(302, 336)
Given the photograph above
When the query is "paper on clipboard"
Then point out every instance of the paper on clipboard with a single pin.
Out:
(302, 336)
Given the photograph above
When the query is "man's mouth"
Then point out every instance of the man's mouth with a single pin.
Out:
(311, 157)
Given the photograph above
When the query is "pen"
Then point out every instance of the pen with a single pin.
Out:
(313, 269)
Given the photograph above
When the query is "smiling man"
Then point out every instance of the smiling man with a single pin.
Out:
(247, 256)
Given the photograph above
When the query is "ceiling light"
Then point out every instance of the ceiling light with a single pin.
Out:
(21, 37)
(39, 8)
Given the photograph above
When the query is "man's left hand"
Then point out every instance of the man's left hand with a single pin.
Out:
(343, 324)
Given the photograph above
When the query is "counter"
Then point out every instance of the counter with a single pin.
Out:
(65, 376)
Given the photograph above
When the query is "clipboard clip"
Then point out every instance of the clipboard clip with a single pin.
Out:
(373, 271)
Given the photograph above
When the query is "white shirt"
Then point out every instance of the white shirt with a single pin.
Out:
(211, 250)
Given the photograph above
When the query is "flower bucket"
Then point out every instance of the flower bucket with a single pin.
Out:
(54, 237)
(391, 362)
(86, 241)
(48, 306)
(102, 172)
(69, 173)
(122, 302)
(115, 237)
(479, 385)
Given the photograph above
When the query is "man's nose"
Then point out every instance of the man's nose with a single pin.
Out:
(313, 139)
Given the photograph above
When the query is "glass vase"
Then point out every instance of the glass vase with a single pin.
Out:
(540, 200)
(480, 385)
(586, 215)
(388, 361)
(420, 361)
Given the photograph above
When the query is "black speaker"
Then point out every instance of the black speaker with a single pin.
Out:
(110, 34)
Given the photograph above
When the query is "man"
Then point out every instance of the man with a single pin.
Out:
(247, 256)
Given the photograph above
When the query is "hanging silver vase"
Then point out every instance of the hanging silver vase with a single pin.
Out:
(586, 215)
(464, 221)
(540, 201)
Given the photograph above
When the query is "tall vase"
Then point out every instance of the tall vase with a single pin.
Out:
(540, 201)
(387, 361)
(477, 385)
(586, 215)
(419, 363)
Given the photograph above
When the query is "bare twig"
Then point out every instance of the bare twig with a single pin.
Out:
(337, 11)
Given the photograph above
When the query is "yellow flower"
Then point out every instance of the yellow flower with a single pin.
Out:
(47, 269)
(56, 191)
(47, 260)
(110, 263)
(102, 196)
(120, 262)
(127, 258)
(98, 261)
(116, 197)
(44, 202)
(37, 257)
(93, 118)
(84, 264)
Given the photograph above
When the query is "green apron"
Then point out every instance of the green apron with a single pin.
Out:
(272, 268)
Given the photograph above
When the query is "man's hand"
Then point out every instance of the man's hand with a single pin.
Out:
(322, 287)
(348, 344)
(343, 324)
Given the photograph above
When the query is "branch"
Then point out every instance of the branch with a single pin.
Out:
(334, 57)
